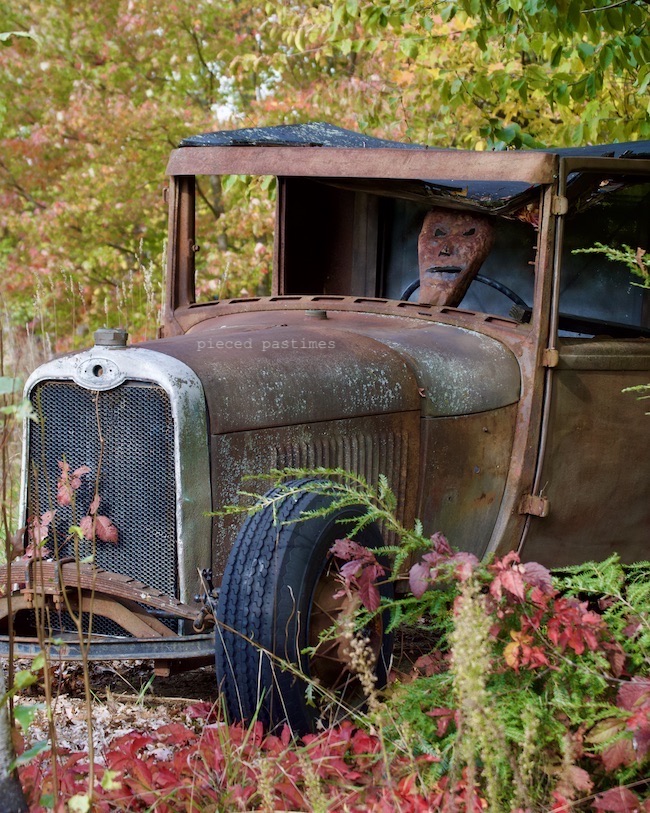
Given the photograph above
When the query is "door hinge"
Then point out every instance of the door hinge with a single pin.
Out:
(550, 357)
(559, 205)
(535, 506)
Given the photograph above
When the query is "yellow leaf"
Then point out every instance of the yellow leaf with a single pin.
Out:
(510, 654)
(109, 780)
(79, 803)
(404, 77)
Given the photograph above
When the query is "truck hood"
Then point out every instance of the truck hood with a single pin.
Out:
(287, 374)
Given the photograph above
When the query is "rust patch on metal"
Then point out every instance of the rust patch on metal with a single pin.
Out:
(535, 506)
(118, 596)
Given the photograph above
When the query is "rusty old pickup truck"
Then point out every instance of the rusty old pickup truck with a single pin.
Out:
(432, 318)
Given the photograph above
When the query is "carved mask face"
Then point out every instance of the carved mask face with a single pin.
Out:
(451, 248)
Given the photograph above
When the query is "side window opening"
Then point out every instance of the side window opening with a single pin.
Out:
(599, 296)
(233, 245)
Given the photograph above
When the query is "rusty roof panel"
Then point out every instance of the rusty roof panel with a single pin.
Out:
(453, 166)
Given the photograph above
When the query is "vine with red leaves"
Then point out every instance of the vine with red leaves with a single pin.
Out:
(569, 668)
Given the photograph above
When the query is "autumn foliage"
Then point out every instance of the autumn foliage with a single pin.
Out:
(94, 96)
(541, 703)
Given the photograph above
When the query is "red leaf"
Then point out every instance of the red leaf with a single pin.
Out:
(419, 579)
(347, 550)
(618, 800)
(291, 794)
(99, 526)
(631, 694)
(39, 528)
(431, 664)
(616, 656)
(465, 565)
(620, 753)
(513, 582)
(363, 743)
(106, 531)
(440, 545)
(67, 484)
(538, 576)
(86, 525)
(175, 733)
(368, 592)
(444, 717)
(202, 711)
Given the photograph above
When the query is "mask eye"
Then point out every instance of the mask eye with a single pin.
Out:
(439, 233)
(469, 232)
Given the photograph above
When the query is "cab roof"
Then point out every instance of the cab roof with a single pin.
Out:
(499, 181)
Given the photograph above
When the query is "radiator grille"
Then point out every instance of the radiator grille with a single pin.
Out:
(128, 434)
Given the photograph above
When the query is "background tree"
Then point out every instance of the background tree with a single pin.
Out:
(97, 98)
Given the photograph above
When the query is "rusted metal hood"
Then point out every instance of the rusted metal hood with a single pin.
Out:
(459, 371)
(287, 375)
(260, 376)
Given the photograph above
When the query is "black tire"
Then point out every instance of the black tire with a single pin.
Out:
(268, 611)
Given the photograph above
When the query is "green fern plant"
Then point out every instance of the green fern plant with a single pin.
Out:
(636, 260)
(540, 687)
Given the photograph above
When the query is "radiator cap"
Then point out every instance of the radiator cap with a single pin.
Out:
(110, 337)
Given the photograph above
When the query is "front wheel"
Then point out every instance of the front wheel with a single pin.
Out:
(279, 593)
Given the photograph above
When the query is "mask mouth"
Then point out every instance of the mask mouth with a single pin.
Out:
(443, 269)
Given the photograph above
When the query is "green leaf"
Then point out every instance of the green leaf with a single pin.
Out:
(562, 93)
(27, 756)
(573, 15)
(556, 56)
(300, 39)
(25, 714)
(615, 19)
(22, 411)
(448, 12)
(591, 85)
(410, 47)
(637, 15)
(586, 50)
(644, 81)
(509, 133)
(606, 56)
(337, 14)
(24, 678)
(9, 385)
(577, 137)
(47, 801)
(483, 87)
(578, 90)
(5, 36)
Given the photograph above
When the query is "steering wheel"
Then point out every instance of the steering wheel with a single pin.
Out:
(498, 286)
